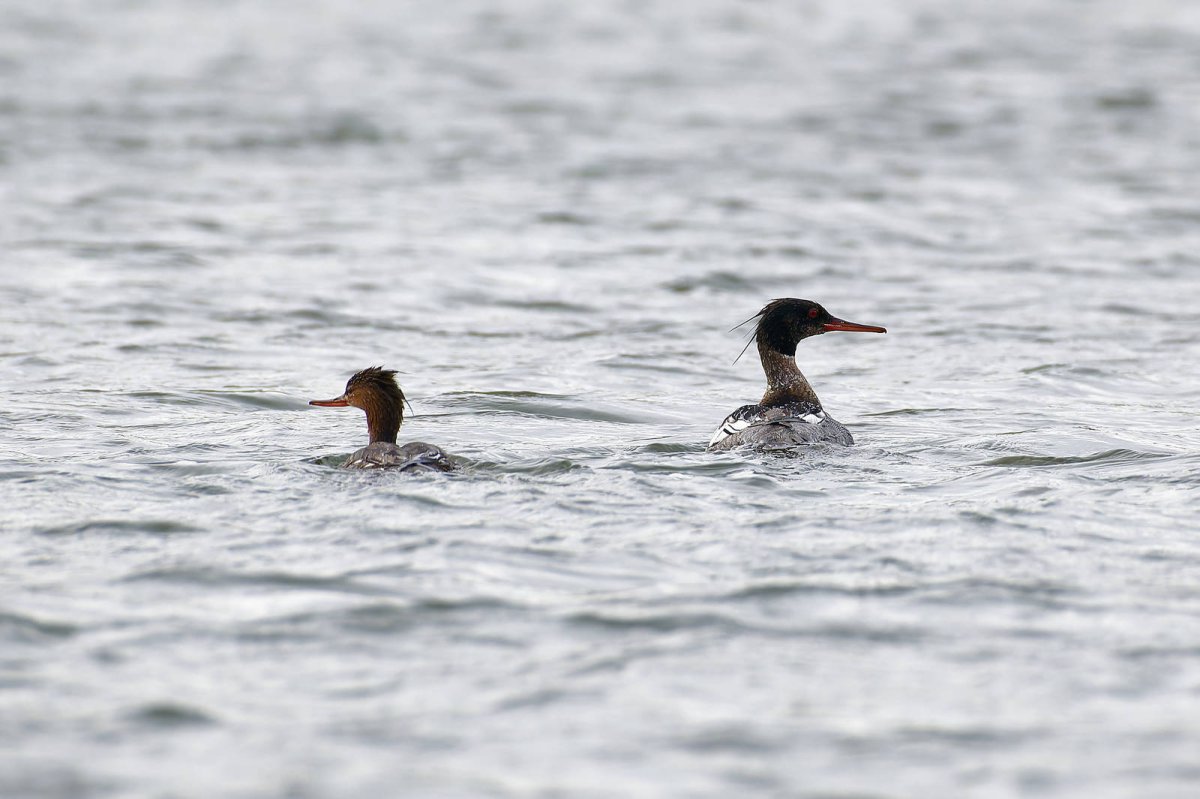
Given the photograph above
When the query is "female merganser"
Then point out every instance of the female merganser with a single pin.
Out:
(790, 412)
(375, 391)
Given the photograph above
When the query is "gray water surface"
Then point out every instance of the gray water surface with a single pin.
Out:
(548, 216)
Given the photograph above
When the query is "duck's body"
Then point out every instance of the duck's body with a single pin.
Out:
(414, 455)
(375, 391)
(790, 414)
(778, 427)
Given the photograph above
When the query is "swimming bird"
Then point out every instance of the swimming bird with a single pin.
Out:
(375, 391)
(789, 413)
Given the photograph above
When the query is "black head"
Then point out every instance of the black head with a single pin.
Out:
(782, 324)
(374, 390)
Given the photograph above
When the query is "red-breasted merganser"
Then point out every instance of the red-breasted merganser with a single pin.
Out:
(375, 391)
(789, 413)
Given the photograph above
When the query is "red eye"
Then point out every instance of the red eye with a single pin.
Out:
(813, 313)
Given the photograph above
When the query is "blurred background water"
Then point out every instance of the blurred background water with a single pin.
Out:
(548, 216)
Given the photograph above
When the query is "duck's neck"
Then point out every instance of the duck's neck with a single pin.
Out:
(785, 382)
(383, 421)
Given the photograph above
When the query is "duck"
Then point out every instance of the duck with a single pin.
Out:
(375, 391)
(789, 414)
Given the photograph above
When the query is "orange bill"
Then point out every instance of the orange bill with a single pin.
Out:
(340, 402)
(851, 327)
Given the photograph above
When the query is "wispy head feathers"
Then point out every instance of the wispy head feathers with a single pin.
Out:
(753, 335)
(373, 377)
(782, 323)
(379, 381)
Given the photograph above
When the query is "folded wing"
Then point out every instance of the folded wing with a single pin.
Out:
(416, 455)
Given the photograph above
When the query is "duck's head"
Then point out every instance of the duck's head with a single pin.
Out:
(782, 324)
(375, 391)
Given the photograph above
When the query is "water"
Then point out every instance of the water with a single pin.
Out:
(548, 216)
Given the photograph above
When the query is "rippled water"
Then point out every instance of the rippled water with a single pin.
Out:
(549, 216)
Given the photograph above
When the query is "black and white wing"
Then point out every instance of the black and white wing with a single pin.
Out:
(779, 427)
(733, 424)
(415, 455)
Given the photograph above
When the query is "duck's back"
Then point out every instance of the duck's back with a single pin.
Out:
(778, 427)
(414, 455)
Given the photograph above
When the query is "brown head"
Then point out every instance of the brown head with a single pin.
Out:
(375, 391)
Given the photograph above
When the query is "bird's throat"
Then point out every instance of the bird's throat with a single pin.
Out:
(785, 382)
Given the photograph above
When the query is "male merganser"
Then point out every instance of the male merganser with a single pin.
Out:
(789, 413)
(375, 391)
